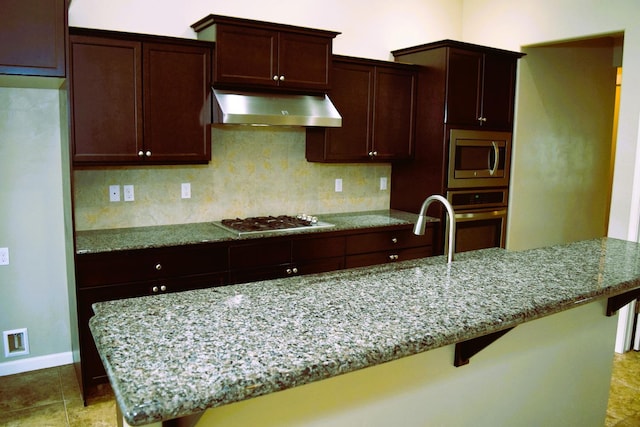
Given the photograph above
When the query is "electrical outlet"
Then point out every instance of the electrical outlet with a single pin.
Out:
(4, 256)
(114, 193)
(383, 183)
(16, 342)
(186, 190)
(128, 193)
(338, 185)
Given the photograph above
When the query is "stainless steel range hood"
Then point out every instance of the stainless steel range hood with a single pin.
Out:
(273, 109)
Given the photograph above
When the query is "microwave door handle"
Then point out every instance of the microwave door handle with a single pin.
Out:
(496, 158)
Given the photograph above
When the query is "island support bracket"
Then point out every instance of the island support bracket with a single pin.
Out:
(466, 349)
(617, 302)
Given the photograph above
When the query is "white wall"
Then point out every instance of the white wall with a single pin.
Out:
(33, 287)
(369, 29)
(511, 24)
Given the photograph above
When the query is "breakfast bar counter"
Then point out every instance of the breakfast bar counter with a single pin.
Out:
(216, 356)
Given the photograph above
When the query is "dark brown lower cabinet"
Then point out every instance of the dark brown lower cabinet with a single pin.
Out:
(283, 257)
(133, 273)
(387, 246)
(92, 370)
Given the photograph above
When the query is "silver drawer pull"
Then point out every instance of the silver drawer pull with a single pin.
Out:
(155, 289)
(394, 240)
(163, 288)
(393, 257)
(158, 266)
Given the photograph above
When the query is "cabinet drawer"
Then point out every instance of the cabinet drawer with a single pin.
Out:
(384, 257)
(309, 249)
(386, 240)
(268, 253)
(149, 264)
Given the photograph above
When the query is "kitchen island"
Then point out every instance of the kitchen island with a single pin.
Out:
(376, 345)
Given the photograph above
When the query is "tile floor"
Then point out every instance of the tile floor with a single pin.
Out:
(51, 398)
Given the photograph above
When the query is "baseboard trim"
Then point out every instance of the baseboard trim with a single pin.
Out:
(35, 363)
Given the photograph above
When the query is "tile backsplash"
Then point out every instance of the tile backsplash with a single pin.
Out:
(253, 171)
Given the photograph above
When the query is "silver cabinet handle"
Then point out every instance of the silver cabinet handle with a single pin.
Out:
(373, 153)
(393, 257)
(281, 78)
(289, 271)
(496, 158)
(158, 266)
(148, 154)
(394, 240)
(295, 270)
(154, 289)
(482, 119)
(141, 153)
(275, 78)
(163, 288)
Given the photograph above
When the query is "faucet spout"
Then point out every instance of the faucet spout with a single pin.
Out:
(421, 222)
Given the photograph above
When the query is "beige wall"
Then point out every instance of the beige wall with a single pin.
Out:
(254, 171)
(512, 24)
(560, 185)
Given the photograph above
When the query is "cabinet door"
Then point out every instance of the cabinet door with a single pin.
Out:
(245, 55)
(92, 370)
(33, 37)
(106, 99)
(393, 113)
(352, 94)
(464, 88)
(498, 91)
(304, 61)
(176, 103)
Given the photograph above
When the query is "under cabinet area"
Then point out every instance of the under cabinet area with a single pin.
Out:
(139, 100)
(33, 34)
(267, 55)
(377, 101)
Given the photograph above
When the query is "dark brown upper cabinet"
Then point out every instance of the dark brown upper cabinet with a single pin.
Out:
(377, 101)
(139, 99)
(476, 84)
(270, 56)
(33, 34)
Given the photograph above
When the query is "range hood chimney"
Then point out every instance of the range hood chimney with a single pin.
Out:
(274, 109)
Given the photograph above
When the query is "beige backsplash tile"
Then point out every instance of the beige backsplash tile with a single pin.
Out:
(253, 171)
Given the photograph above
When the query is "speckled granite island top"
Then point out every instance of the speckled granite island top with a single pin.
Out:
(176, 354)
(91, 241)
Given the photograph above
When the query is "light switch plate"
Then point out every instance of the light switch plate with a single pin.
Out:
(338, 185)
(383, 183)
(186, 190)
(114, 193)
(128, 193)
(4, 256)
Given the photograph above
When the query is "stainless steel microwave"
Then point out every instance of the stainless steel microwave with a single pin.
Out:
(479, 159)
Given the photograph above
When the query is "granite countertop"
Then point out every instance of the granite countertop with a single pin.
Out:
(176, 354)
(92, 241)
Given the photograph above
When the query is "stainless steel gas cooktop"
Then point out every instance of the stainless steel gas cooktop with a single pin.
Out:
(270, 224)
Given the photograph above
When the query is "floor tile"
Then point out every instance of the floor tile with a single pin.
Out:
(50, 415)
(31, 389)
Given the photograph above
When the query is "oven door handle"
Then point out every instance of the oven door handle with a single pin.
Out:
(496, 158)
(477, 216)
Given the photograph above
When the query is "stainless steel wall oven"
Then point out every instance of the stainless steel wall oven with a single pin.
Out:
(481, 218)
(477, 187)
